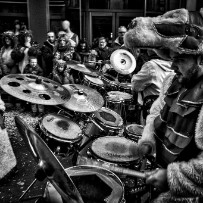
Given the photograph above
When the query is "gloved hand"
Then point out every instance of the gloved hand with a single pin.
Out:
(144, 149)
(158, 178)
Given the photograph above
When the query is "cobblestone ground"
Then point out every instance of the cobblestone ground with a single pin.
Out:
(13, 186)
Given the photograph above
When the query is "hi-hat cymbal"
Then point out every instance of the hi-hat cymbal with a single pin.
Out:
(81, 68)
(48, 163)
(123, 61)
(83, 99)
(34, 89)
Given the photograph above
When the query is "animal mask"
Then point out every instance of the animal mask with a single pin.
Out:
(177, 30)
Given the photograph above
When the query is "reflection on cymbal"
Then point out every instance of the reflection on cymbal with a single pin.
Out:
(34, 89)
(83, 99)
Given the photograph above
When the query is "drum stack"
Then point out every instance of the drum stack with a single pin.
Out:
(90, 125)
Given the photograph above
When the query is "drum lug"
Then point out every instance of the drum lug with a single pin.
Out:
(57, 150)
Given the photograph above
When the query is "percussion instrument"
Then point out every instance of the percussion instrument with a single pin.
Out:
(48, 162)
(123, 61)
(34, 89)
(119, 102)
(134, 132)
(61, 134)
(110, 82)
(125, 87)
(109, 121)
(94, 83)
(76, 65)
(95, 185)
(83, 99)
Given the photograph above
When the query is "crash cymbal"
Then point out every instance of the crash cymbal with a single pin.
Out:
(35, 89)
(123, 61)
(48, 162)
(83, 99)
(81, 68)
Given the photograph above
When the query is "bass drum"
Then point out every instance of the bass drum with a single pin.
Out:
(60, 133)
(95, 184)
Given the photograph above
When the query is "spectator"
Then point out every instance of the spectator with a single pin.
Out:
(33, 68)
(48, 50)
(61, 73)
(7, 54)
(118, 42)
(83, 50)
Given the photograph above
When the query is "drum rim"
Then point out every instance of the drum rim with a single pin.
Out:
(133, 124)
(130, 98)
(96, 84)
(51, 135)
(118, 126)
(113, 161)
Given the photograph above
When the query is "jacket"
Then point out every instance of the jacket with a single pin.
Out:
(184, 177)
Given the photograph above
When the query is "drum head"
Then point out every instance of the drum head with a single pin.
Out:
(118, 96)
(134, 129)
(94, 80)
(115, 149)
(95, 184)
(61, 128)
(109, 117)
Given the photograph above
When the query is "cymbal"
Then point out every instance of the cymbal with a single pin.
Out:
(81, 68)
(48, 162)
(35, 89)
(123, 61)
(83, 99)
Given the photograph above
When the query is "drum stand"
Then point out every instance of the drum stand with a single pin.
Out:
(40, 176)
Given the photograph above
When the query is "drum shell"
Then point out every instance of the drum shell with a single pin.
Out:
(110, 83)
(59, 146)
(125, 88)
(97, 87)
(52, 196)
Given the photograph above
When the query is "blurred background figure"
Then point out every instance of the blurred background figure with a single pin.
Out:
(118, 42)
(83, 50)
(48, 50)
(69, 34)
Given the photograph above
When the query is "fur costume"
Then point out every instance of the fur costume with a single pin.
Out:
(180, 31)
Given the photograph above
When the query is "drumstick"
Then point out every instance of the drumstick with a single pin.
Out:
(115, 169)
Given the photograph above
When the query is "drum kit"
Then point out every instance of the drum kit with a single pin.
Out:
(104, 145)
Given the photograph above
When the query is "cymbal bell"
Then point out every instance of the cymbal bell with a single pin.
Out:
(48, 162)
(123, 61)
(34, 89)
(83, 99)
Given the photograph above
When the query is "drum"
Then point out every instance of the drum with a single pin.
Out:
(109, 121)
(133, 132)
(110, 82)
(120, 102)
(62, 135)
(125, 87)
(94, 83)
(95, 184)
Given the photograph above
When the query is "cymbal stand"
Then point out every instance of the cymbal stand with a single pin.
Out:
(40, 176)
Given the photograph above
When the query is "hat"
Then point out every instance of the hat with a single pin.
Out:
(122, 29)
(178, 30)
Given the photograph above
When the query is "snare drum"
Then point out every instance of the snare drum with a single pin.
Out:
(109, 120)
(60, 133)
(134, 132)
(95, 184)
(110, 82)
(120, 102)
(94, 83)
